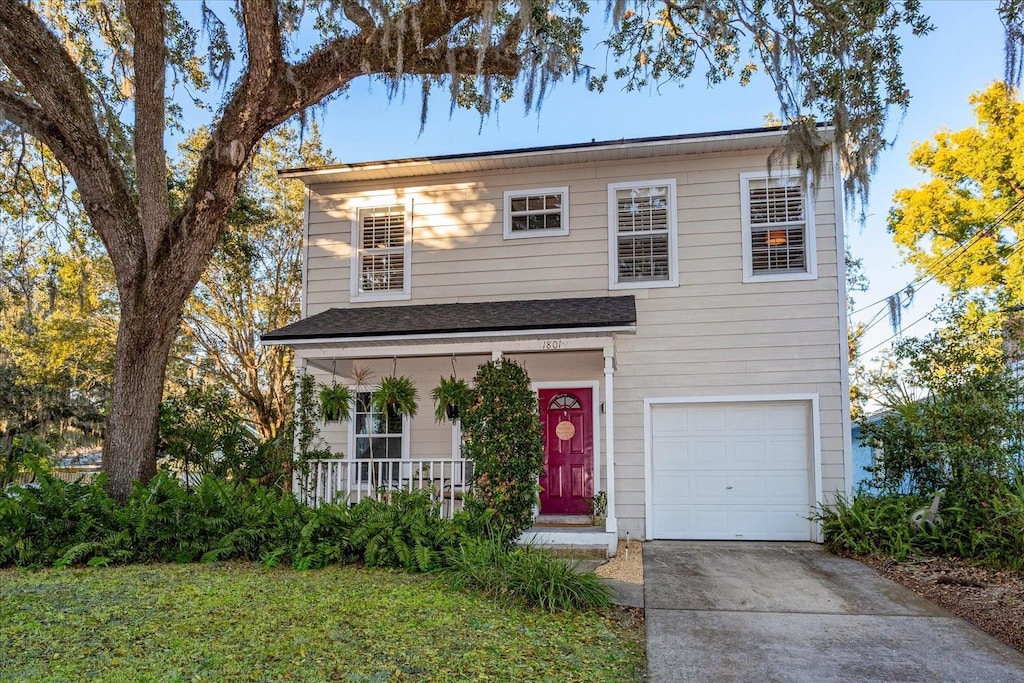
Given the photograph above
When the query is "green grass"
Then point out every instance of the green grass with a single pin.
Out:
(240, 622)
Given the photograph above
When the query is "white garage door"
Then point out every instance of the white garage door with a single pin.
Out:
(731, 471)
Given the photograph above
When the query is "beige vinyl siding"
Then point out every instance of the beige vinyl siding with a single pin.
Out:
(711, 336)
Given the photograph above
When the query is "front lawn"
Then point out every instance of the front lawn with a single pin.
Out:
(235, 621)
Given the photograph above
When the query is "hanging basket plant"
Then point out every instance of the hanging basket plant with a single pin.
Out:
(396, 396)
(451, 398)
(335, 403)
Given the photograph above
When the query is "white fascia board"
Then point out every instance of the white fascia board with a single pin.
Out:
(465, 348)
(449, 336)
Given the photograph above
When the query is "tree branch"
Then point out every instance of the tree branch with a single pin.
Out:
(148, 24)
(263, 42)
(348, 57)
(497, 61)
(39, 61)
(275, 91)
(29, 117)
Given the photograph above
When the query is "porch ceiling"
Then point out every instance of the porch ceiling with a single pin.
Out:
(416, 323)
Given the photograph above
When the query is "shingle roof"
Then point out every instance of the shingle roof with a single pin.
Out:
(488, 316)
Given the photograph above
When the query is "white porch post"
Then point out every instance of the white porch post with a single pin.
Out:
(297, 488)
(611, 521)
(496, 354)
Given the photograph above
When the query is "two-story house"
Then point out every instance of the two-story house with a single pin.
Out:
(680, 309)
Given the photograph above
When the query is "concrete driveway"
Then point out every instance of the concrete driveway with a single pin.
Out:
(793, 612)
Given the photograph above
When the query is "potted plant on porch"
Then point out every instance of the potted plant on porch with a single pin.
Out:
(451, 398)
(396, 396)
(335, 402)
(599, 508)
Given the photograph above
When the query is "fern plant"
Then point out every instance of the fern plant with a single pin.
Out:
(451, 398)
(336, 402)
(406, 531)
(396, 396)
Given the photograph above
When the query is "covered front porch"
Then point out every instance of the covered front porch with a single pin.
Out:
(570, 358)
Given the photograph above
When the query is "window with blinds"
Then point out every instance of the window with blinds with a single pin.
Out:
(643, 229)
(381, 253)
(776, 226)
(537, 213)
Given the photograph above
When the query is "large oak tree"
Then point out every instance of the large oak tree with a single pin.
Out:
(99, 83)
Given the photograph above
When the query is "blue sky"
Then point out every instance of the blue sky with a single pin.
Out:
(963, 55)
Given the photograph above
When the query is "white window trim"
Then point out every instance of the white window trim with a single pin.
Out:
(507, 213)
(810, 243)
(406, 425)
(673, 239)
(406, 293)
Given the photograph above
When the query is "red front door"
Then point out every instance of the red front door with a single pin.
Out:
(568, 480)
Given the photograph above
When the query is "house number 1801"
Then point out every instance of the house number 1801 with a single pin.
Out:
(552, 344)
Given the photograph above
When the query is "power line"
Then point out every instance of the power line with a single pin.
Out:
(949, 257)
(1014, 247)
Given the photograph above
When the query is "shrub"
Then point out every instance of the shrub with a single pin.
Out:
(987, 526)
(40, 524)
(953, 418)
(502, 434)
(526, 574)
(869, 525)
(405, 531)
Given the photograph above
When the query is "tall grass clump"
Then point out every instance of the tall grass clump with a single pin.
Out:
(525, 574)
(869, 525)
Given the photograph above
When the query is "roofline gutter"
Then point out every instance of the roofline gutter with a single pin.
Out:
(444, 336)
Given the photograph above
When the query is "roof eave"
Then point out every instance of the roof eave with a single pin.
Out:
(763, 137)
(592, 330)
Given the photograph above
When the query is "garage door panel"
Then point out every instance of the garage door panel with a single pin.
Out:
(756, 523)
(751, 488)
(746, 419)
(667, 487)
(672, 453)
(708, 454)
(701, 419)
(790, 416)
(790, 490)
(748, 454)
(706, 488)
(731, 471)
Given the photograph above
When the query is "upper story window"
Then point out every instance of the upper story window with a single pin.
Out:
(642, 232)
(381, 252)
(536, 213)
(778, 227)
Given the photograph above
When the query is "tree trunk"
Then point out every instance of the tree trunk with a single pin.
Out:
(129, 449)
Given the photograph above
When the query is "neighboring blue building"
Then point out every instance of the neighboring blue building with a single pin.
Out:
(863, 455)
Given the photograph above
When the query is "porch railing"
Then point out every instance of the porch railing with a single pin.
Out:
(335, 481)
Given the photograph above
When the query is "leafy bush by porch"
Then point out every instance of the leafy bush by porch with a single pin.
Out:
(235, 621)
(65, 524)
(502, 433)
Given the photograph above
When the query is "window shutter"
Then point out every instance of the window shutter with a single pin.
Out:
(778, 226)
(382, 249)
(642, 225)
